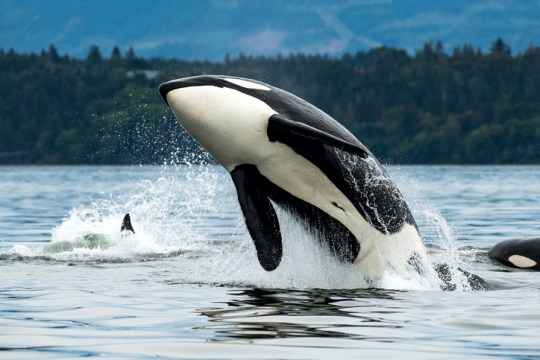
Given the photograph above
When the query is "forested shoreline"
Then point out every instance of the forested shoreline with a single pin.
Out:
(461, 106)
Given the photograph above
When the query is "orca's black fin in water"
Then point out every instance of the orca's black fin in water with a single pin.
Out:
(126, 224)
(475, 282)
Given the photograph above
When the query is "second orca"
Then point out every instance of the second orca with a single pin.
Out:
(517, 253)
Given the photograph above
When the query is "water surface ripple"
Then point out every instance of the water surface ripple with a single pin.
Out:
(187, 284)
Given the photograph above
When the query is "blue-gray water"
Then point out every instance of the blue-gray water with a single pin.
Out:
(188, 285)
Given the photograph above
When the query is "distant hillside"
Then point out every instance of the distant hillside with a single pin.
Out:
(207, 29)
(463, 108)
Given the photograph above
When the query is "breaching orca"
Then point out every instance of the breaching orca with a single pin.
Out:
(281, 150)
(518, 253)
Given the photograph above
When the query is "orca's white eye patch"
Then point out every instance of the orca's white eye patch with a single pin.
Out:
(248, 84)
(521, 261)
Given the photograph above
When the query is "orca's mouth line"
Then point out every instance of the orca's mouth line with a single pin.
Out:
(168, 86)
(203, 80)
(165, 88)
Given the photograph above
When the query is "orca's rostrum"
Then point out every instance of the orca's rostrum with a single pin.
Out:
(280, 149)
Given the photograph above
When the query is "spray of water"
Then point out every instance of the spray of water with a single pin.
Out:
(441, 239)
(189, 215)
(168, 213)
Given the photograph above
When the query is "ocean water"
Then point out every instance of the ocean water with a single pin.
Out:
(187, 284)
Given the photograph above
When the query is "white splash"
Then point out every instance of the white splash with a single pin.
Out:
(441, 238)
(190, 215)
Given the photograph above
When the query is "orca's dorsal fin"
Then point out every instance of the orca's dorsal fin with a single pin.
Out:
(260, 216)
(281, 128)
(126, 224)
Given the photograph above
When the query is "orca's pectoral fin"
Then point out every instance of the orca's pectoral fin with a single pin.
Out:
(259, 214)
(281, 127)
(126, 224)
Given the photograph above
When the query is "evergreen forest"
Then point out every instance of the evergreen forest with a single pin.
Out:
(463, 106)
